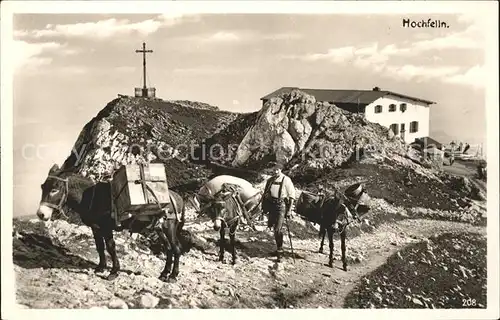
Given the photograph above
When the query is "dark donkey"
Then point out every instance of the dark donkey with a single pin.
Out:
(333, 211)
(225, 211)
(92, 201)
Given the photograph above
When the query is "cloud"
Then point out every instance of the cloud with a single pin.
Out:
(476, 20)
(241, 36)
(383, 59)
(20, 33)
(283, 36)
(471, 77)
(236, 102)
(100, 29)
(72, 70)
(370, 57)
(459, 40)
(32, 64)
(251, 36)
(364, 57)
(105, 29)
(173, 18)
(474, 77)
(412, 72)
(68, 51)
(213, 70)
(462, 40)
(27, 54)
(222, 36)
(472, 37)
(125, 69)
(31, 55)
(335, 55)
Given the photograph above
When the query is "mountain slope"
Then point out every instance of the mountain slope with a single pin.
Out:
(135, 130)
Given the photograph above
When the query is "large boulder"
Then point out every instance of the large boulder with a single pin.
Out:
(294, 128)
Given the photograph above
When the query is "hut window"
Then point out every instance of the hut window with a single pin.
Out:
(413, 126)
(394, 128)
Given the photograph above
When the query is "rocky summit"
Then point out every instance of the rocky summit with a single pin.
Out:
(315, 134)
(415, 213)
(135, 130)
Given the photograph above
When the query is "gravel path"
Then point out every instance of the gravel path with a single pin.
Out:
(66, 279)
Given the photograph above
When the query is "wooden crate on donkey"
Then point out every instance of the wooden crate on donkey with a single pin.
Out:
(139, 190)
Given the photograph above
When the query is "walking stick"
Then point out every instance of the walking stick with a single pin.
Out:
(289, 237)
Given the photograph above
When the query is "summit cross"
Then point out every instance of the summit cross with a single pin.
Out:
(144, 51)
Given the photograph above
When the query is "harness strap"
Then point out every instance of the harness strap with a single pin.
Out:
(50, 205)
(174, 207)
(232, 219)
(237, 205)
(113, 200)
(250, 199)
(148, 188)
(143, 182)
(119, 192)
(58, 207)
(269, 184)
(93, 196)
(280, 191)
(172, 201)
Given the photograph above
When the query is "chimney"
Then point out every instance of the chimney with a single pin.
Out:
(376, 89)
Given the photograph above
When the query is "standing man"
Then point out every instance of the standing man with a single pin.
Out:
(452, 152)
(467, 146)
(279, 197)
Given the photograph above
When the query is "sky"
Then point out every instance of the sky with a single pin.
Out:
(69, 66)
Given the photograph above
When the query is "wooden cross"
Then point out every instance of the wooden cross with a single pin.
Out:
(144, 51)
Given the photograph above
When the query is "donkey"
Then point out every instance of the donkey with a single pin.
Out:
(93, 203)
(225, 211)
(332, 212)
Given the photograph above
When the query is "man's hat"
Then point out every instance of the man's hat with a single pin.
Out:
(354, 190)
(276, 165)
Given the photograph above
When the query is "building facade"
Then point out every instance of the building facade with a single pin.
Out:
(408, 117)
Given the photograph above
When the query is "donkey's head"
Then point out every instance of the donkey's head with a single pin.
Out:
(357, 198)
(54, 194)
(217, 213)
(223, 206)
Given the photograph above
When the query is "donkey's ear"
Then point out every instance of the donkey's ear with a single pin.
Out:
(55, 168)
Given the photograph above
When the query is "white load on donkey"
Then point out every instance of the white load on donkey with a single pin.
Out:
(246, 194)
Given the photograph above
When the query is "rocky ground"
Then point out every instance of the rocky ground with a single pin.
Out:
(434, 275)
(54, 264)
